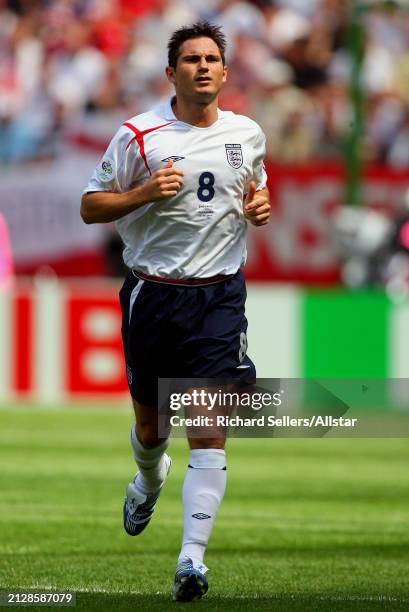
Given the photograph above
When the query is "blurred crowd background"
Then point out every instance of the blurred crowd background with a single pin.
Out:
(328, 81)
(74, 69)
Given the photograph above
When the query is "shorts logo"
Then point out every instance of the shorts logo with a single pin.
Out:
(106, 170)
(201, 516)
(234, 155)
(129, 374)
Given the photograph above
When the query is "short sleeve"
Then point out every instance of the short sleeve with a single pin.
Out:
(259, 171)
(120, 167)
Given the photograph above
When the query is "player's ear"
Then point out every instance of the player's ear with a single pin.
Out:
(224, 73)
(170, 74)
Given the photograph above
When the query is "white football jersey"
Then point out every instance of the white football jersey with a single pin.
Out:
(201, 231)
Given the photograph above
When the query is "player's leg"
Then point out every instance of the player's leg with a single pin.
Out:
(153, 463)
(203, 491)
(140, 341)
(148, 448)
(215, 352)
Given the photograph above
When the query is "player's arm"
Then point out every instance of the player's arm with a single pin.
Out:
(257, 205)
(107, 206)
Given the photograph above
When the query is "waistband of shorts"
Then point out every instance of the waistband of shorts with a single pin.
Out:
(183, 282)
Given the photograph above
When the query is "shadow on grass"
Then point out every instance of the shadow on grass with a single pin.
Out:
(294, 603)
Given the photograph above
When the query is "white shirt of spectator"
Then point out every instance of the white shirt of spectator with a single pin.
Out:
(200, 232)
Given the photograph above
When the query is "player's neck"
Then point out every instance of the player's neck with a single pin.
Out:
(200, 115)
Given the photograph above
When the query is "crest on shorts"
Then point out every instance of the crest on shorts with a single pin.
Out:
(234, 155)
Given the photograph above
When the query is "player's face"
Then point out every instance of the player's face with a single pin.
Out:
(199, 70)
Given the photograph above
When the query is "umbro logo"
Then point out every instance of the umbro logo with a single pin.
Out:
(201, 516)
(174, 158)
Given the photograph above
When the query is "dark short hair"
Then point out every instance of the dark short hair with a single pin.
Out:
(197, 30)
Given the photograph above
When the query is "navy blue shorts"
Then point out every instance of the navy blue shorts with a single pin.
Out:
(172, 331)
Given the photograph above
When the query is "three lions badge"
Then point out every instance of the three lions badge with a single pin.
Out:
(234, 155)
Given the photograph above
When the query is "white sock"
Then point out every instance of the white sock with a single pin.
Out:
(203, 490)
(151, 464)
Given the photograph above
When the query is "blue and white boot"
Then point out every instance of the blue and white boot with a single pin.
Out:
(138, 508)
(190, 580)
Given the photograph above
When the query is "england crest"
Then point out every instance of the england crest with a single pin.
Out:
(234, 155)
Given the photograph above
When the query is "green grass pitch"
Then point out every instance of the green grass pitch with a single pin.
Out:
(306, 525)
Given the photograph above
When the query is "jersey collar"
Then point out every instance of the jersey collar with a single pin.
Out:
(165, 110)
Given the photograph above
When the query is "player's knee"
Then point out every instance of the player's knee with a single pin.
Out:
(196, 443)
(149, 437)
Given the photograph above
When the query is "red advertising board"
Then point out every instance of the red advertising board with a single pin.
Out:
(95, 362)
(296, 246)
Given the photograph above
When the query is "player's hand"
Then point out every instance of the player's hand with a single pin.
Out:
(256, 206)
(164, 183)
